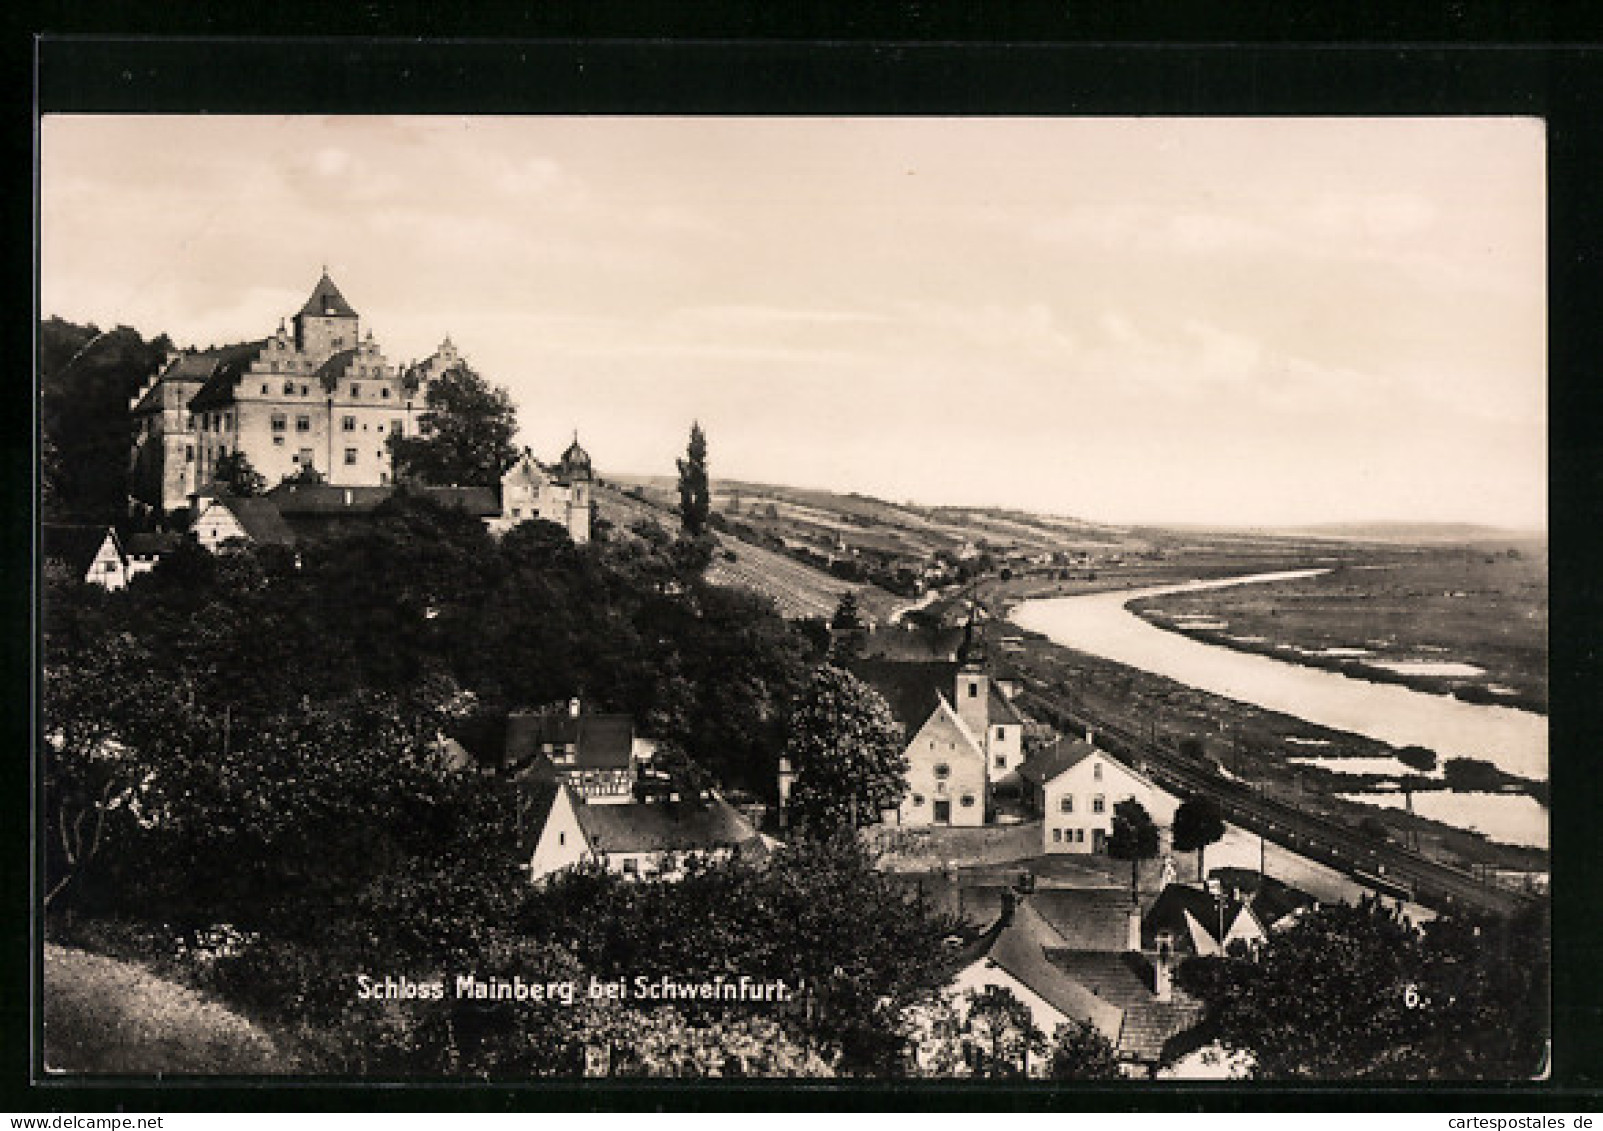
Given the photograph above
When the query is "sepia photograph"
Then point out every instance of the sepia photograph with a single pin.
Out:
(919, 599)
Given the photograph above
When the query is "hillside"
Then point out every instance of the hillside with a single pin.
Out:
(104, 1015)
(798, 589)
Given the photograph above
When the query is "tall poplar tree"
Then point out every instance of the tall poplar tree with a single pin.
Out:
(695, 499)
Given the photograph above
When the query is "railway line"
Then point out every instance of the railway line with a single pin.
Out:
(1389, 869)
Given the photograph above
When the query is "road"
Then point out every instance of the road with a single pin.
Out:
(1379, 866)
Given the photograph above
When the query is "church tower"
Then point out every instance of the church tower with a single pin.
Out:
(973, 684)
(326, 324)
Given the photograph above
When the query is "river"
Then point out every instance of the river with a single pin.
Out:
(1099, 623)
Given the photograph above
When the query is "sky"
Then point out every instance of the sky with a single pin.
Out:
(1219, 321)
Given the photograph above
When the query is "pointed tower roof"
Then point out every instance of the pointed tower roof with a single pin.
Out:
(326, 300)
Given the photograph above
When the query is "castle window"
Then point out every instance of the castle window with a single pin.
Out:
(1096, 770)
(280, 422)
(305, 457)
(918, 799)
(1000, 733)
(1079, 836)
(1001, 761)
(303, 424)
(264, 390)
(350, 456)
(189, 453)
(289, 388)
(517, 512)
(1066, 803)
(303, 390)
(278, 441)
(348, 423)
(356, 390)
(942, 772)
(973, 691)
(384, 392)
(968, 801)
(1098, 804)
(395, 426)
(1057, 836)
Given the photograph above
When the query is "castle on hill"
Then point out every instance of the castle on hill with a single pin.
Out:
(318, 395)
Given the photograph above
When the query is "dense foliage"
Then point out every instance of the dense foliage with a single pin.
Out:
(1197, 824)
(1134, 837)
(1360, 992)
(853, 946)
(465, 435)
(87, 378)
(846, 749)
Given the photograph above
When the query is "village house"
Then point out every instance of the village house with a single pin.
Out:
(1235, 906)
(1075, 956)
(595, 755)
(93, 554)
(1073, 786)
(224, 520)
(637, 841)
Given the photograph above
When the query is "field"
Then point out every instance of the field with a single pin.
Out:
(1471, 621)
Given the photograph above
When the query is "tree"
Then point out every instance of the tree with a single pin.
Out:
(846, 749)
(1080, 1052)
(846, 627)
(465, 436)
(1001, 1032)
(1360, 992)
(235, 472)
(695, 499)
(1197, 824)
(1417, 758)
(1134, 838)
(307, 476)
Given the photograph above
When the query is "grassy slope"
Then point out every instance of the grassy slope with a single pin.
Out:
(103, 1015)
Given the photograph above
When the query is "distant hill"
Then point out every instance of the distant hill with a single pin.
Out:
(1411, 533)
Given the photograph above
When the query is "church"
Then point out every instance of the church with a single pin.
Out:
(316, 396)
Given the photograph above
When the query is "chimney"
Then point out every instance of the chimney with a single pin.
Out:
(1133, 938)
(1162, 970)
(1090, 736)
(573, 707)
(347, 496)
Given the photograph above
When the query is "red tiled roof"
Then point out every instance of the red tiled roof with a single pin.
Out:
(230, 363)
(260, 519)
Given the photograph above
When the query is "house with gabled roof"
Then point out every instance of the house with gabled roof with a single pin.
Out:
(93, 554)
(639, 841)
(1202, 923)
(223, 520)
(1073, 786)
(596, 755)
(1097, 976)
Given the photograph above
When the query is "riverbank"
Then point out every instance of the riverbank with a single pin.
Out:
(1467, 622)
(1250, 743)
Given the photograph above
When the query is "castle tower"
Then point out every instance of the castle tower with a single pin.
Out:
(326, 324)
